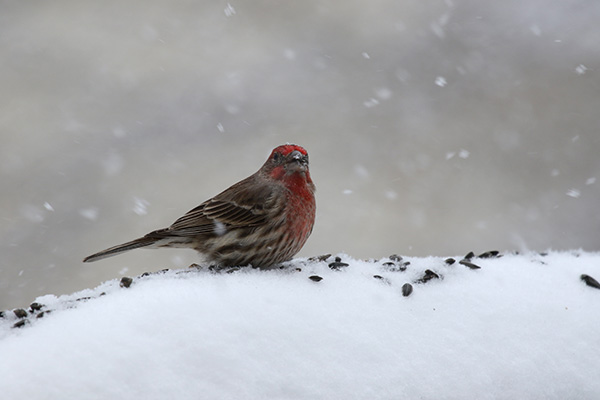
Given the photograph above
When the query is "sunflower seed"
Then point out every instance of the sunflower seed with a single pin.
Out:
(407, 289)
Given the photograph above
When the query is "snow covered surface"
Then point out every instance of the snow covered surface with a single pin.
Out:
(520, 327)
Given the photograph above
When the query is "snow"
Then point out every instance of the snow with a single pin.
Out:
(441, 81)
(581, 69)
(521, 326)
(140, 206)
(229, 10)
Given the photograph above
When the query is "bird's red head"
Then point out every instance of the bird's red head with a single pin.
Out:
(288, 162)
(286, 149)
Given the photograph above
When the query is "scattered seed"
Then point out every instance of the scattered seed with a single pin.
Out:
(232, 270)
(407, 289)
(338, 259)
(299, 269)
(590, 281)
(20, 313)
(1, 314)
(20, 324)
(429, 275)
(324, 257)
(41, 315)
(382, 279)
(337, 265)
(125, 282)
(469, 264)
(489, 254)
(395, 257)
(83, 298)
(469, 255)
(393, 267)
(35, 307)
(315, 278)
(449, 261)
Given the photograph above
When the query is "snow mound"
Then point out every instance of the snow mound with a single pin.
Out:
(489, 327)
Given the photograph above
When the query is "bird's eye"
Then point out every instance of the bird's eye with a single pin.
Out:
(276, 157)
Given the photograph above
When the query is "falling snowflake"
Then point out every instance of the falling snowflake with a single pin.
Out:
(289, 54)
(372, 102)
(383, 93)
(441, 81)
(229, 10)
(581, 69)
(90, 213)
(140, 206)
(535, 30)
(574, 193)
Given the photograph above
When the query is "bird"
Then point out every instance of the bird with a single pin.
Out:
(262, 221)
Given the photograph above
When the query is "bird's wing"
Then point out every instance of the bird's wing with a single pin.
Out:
(233, 208)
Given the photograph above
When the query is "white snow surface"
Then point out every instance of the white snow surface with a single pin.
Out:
(521, 327)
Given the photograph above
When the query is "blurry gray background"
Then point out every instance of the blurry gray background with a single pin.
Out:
(433, 127)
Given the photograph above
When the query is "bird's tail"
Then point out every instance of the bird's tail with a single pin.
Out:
(118, 249)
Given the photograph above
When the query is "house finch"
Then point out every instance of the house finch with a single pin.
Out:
(262, 220)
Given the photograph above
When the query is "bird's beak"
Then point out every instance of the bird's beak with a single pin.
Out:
(297, 161)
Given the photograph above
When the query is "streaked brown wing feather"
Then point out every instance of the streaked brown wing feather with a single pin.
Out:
(233, 208)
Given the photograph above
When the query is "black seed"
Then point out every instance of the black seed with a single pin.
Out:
(449, 261)
(392, 267)
(395, 257)
(299, 269)
(382, 279)
(590, 281)
(83, 298)
(164, 270)
(103, 294)
(469, 255)
(337, 265)
(338, 259)
(407, 289)
(543, 254)
(41, 315)
(20, 324)
(315, 278)
(324, 257)
(35, 307)
(489, 254)
(232, 270)
(429, 275)
(1, 314)
(469, 264)
(20, 313)
(125, 282)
